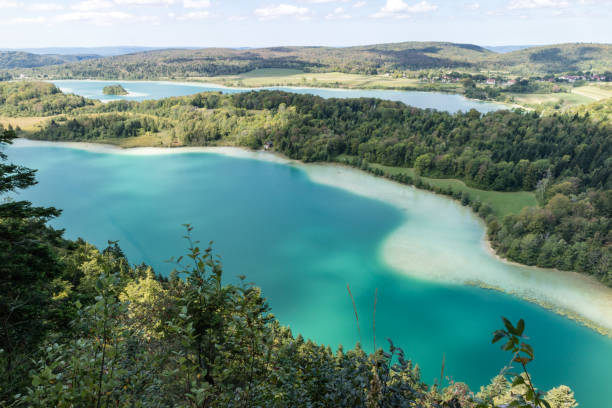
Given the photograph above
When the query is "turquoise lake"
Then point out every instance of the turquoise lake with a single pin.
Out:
(142, 90)
(302, 243)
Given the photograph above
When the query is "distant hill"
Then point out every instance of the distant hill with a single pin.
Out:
(19, 59)
(225, 61)
(556, 58)
(502, 49)
(101, 51)
(371, 59)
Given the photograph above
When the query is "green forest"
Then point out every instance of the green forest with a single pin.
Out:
(20, 59)
(371, 59)
(564, 159)
(82, 327)
(114, 90)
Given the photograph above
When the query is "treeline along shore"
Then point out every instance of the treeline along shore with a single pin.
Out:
(564, 160)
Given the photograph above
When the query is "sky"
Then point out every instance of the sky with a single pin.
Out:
(259, 23)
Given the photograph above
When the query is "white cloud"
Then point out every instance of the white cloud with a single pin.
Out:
(93, 15)
(91, 5)
(194, 15)
(8, 4)
(282, 10)
(400, 9)
(23, 20)
(324, 1)
(146, 2)
(196, 4)
(359, 4)
(103, 18)
(45, 7)
(338, 14)
(532, 4)
(473, 6)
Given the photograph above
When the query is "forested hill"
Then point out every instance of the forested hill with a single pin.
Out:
(555, 59)
(220, 61)
(565, 159)
(372, 59)
(18, 59)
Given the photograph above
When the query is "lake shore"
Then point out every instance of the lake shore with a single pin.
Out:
(405, 250)
(210, 83)
(571, 294)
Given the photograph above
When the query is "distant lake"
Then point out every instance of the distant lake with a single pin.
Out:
(303, 242)
(140, 91)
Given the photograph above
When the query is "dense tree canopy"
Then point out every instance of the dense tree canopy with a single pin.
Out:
(36, 99)
(28, 267)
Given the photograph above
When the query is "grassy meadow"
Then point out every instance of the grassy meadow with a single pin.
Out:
(27, 124)
(502, 203)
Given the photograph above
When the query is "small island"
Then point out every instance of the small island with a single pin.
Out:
(114, 90)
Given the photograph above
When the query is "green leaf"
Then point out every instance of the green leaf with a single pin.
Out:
(522, 360)
(527, 349)
(498, 335)
(509, 325)
(520, 327)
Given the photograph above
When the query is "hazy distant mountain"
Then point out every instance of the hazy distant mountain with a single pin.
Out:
(102, 51)
(503, 49)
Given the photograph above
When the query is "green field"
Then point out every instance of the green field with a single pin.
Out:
(594, 92)
(293, 77)
(581, 95)
(502, 203)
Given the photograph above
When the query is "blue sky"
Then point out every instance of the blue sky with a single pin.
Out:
(254, 23)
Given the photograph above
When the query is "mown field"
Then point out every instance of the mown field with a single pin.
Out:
(577, 96)
(27, 124)
(502, 203)
(266, 77)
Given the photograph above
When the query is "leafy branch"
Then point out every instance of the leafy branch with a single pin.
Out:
(523, 354)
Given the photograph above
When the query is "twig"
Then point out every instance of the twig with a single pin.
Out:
(374, 321)
(355, 310)
(442, 372)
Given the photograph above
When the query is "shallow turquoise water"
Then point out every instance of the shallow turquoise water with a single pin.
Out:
(140, 91)
(303, 243)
